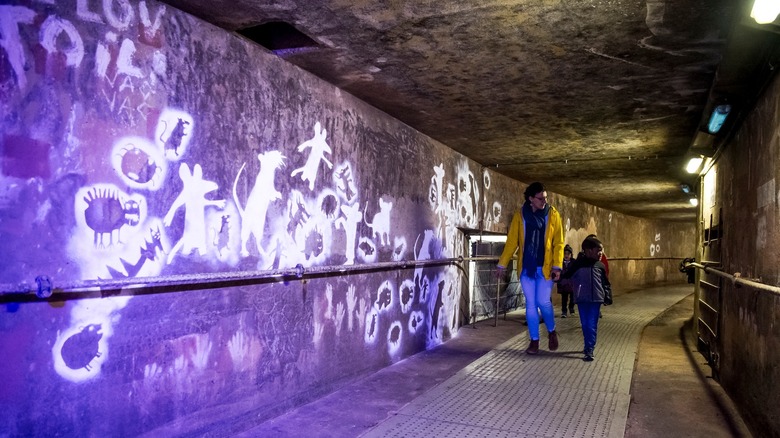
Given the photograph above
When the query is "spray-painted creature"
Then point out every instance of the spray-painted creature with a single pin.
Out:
(105, 214)
(261, 195)
(318, 147)
(148, 252)
(138, 166)
(79, 350)
(177, 135)
(193, 198)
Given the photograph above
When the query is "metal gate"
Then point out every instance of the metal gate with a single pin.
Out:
(710, 296)
(491, 296)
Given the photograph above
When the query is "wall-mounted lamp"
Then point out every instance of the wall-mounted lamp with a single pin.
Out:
(765, 11)
(686, 188)
(717, 118)
(694, 164)
(694, 201)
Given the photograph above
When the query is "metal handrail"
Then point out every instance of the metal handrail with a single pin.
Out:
(45, 287)
(737, 280)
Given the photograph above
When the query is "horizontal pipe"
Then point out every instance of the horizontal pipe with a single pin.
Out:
(737, 280)
(297, 272)
(45, 287)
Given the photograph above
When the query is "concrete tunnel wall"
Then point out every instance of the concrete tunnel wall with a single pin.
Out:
(138, 141)
(740, 191)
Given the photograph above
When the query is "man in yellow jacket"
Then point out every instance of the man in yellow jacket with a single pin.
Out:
(536, 233)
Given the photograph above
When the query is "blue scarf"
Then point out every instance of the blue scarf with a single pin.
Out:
(533, 247)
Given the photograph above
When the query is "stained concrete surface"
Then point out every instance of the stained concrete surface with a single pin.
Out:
(671, 394)
(672, 390)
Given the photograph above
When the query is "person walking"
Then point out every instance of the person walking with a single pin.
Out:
(536, 234)
(564, 285)
(588, 277)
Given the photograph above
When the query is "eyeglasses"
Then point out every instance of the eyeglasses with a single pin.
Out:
(542, 198)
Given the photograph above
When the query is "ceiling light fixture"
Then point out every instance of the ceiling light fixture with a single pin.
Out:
(685, 188)
(717, 118)
(694, 164)
(695, 201)
(765, 11)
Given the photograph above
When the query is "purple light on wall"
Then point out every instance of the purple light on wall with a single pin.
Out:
(24, 157)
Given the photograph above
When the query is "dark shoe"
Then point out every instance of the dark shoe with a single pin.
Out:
(533, 347)
(571, 311)
(553, 340)
(588, 355)
(563, 315)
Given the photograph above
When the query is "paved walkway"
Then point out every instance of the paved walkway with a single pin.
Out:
(507, 393)
(483, 384)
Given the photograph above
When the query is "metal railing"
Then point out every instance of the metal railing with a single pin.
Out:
(737, 280)
(45, 287)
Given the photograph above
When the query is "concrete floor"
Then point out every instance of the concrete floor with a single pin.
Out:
(647, 384)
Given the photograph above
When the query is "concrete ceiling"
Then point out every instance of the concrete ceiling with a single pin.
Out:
(598, 99)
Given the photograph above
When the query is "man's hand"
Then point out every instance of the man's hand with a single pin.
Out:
(555, 275)
(500, 272)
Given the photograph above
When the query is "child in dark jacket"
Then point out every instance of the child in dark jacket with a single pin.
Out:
(591, 286)
(564, 285)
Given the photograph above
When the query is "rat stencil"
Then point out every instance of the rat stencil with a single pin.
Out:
(261, 195)
(318, 147)
(193, 198)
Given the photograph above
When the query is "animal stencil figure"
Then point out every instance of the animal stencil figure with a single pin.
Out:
(381, 222)
(148, 252)
(261, 195)
(193, 198)
(222, 236)
(351, 217)
(318, 147)
(345, 184)
(173, 142)
(424, 254)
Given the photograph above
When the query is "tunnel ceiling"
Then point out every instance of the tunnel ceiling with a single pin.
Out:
(600, 100)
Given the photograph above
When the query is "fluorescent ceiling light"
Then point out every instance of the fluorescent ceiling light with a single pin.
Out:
(765, 11)
(717, 118)
(694, 202)
(693, 165)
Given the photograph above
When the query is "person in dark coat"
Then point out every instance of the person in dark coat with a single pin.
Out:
(591, 287)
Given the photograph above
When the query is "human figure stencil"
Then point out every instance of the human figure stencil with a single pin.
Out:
(318, 147)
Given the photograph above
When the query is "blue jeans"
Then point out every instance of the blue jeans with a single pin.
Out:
(589, 318)
(537, 291)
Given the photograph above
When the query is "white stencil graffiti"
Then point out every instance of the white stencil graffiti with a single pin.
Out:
(338, 319)
(349, 220)
(193, 198)
(655, 249)
(172, 133)
(200, 355)
(367, 250)
(426, 252)
(150, 29)
(351, 303)
(329, 300)
(244, 350)
(406, 295)
(124, 62)
(415, 320)
(381, 222)
(345, 183)
(468, 195)
(81, 350)
(10, 18)
(51, 29)
(139, 163)
(122, 20)
(394, 337)
(83, 12)
(436, 190)
(318, 147)
(372, 322)
(399, 248)
(384, 297)
(262, 194)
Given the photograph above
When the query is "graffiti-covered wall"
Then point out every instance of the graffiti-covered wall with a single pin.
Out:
(138, 142)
